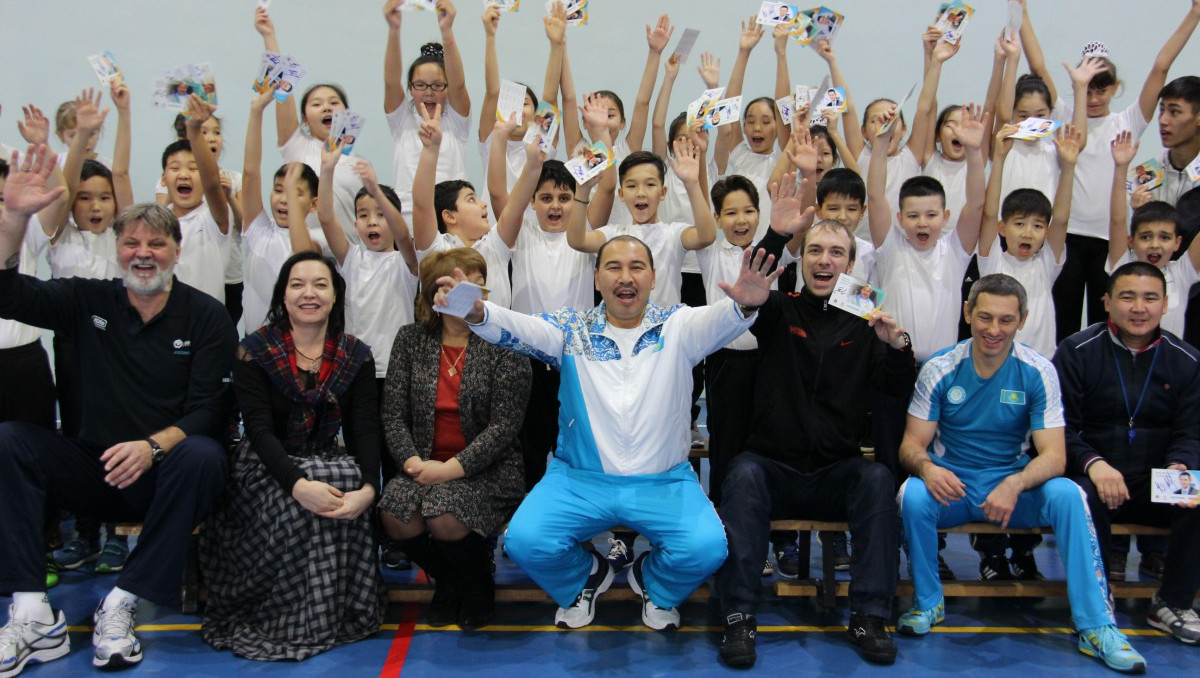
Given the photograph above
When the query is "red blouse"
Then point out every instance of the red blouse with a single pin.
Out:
(448, 437)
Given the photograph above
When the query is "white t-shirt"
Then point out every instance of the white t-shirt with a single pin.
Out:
(303, 148)
(495, 253)
(756, 167)
(678, 207)
(1033, 164)
(1037, 276)
(952, 174)
(719, 262)
(267, 247)
(900, 168)
(514, 163)
(404, 123)
(548, 274)
(923, 290)
(667, 250)
(78, 254)
(1094, 169)
(203, 251)
(1180, 275)
(233, 264)
(379, 299)
(13, 333)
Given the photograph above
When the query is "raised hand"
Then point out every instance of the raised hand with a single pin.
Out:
(882, 118)
(198, 111)
(825, 50)
(944, 51)
(970, 130)
(534, 153)
(1068, 142)
(802, 152)
(25, 190)
(35, 127)
(329, 156)
(888, 330)
(491, 20)
(88, 115)
(595, 114)
(447, 283)
(506, 127)
(751, 33)
(118, 91)
(710, 70)
(929, 40)
(556, 24)
(260, 101)
(685, 161)
(753, 284)
(392, 14)
(780, 36)
(1081, 75)
(1124, 148)
(446, 13)
(700, 137)
(365, 172)
(788, 213)
(658, 36)
(263, 23)
(1004, 141)
(671, 66)
(431, 127)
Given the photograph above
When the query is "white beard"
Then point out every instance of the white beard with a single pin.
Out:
(153, 286)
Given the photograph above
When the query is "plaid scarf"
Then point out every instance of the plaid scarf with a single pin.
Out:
(271, 348)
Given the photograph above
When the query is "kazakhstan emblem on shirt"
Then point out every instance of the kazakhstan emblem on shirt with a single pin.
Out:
(1012, 397)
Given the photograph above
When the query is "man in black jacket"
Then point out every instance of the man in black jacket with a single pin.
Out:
(802, 458)
(1131, 394)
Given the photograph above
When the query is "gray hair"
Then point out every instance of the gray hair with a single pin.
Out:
(157, 218)
(1000, 285)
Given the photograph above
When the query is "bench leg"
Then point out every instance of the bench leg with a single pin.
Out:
(804, 546)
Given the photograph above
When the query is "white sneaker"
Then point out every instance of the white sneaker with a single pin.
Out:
(657, 618)
(28, 642)
(113, 639)
(583, 610)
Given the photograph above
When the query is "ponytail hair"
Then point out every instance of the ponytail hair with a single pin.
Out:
(431, 53)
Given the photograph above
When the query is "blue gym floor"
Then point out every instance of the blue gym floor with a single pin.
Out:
(992, 637)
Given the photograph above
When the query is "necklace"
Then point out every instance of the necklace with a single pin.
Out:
(312, 362)
(453, 369)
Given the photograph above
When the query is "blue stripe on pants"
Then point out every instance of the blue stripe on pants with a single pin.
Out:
(1058, 503)
(569, 506)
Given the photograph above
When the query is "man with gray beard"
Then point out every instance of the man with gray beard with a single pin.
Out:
(155, 358)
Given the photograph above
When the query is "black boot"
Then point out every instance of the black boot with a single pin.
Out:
(447, 593)
(469, 557)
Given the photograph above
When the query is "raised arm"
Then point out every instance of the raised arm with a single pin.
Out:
(989, 227)
(662, 106)
(1148, 99)
(656, 39)
(783, 80)
(802, 155)
(1006, 99)
(35, 130)
(456, 93)
(25, 194)
(1033, 54)
(491, 72)
(595, 116)
(555, 24)
(287, 121)
(393, 64)
(508, 225)
(424, 213)
(920, 142)
(122, 184)
(579, 236)
(1080, 77)
(326, 215)
(971, 133)
(686, 163)
(1124, 148)
(497, 174)
(990, 99)
(393, 217)
(879, 212)
(252, 204)
(729, 136)
(854, 136)
(1068, 143)
(89, 118)
(296, 217)
(206, 163)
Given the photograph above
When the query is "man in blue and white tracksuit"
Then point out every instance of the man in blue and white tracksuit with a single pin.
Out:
(976, 409)
(624, 435)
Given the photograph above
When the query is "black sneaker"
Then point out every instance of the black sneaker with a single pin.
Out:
(737, 645)
(1152, 565)
(1116, 567)
(787, 559)
(394, 558)
(869, 633)
(841, 548)
(994, 568)
(1024, 567)
(944, 571)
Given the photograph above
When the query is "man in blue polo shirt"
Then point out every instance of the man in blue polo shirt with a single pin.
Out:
(976, 409)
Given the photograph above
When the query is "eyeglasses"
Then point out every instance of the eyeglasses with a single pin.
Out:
(435, 86)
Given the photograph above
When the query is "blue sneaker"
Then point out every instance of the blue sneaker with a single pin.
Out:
(918, 622)
(113, 556)
(1111, 647)
(75, 553)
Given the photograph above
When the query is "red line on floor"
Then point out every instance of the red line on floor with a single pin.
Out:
(400, 642)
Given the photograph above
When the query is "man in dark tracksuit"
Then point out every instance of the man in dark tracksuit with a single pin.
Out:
(802, 458)
(1131, 395)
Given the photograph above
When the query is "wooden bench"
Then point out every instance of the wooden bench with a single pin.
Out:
(827, 588)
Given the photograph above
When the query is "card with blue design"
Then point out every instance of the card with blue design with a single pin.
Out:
(543, 127)
(1148, 174)
(856, 297)
(953, 19)
(344, 129)
(825, 23)
(414, 5)
(105, 66)
(700, 107)
(504, 5)
(723, 112)
(1170, 486)
(576, 10)
(775, 13)
(1193, 170)
(592, 160)
(1036, 128)
(833, 99)
(801, 30)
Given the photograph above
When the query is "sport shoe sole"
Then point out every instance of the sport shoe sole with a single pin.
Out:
(1135, 669)
(591, 613)
(668, 625)
(1154, 620)
(43, 654)
(117, 661)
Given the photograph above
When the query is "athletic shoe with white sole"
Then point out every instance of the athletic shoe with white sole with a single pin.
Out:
(583, 610)
(25, 642)
(112, 637)
(657, 618)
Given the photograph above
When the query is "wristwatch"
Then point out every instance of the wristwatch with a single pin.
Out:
(157, 453)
